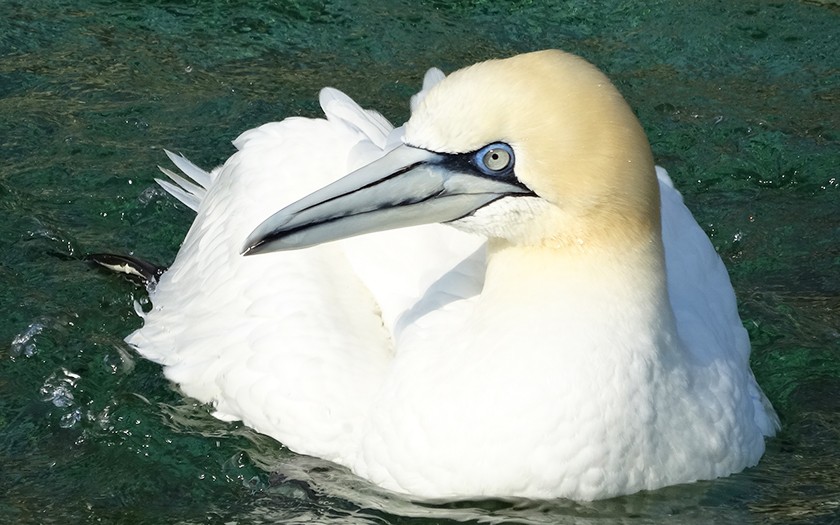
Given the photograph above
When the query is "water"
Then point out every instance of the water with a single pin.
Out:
(740, 103)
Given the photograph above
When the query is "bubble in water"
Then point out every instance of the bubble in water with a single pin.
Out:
(70, 419)
(60, 396)
(58, 388)
(24, 343)
(119, 362)
(151, 194)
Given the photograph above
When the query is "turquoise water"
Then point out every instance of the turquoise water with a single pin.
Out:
(740, 101)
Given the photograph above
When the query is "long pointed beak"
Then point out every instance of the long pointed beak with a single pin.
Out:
(407, 187)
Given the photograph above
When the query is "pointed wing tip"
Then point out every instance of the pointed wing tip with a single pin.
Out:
(172, 156)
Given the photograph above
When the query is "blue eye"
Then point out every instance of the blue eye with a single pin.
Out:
(494, 159)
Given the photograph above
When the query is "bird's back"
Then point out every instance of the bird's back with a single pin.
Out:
(294, 344)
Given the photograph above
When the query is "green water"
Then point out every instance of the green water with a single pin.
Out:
(740, 101)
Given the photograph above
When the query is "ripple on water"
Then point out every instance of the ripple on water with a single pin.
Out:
(24, 344)
(58, 390)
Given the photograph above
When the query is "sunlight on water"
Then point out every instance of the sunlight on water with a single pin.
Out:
(740, 104)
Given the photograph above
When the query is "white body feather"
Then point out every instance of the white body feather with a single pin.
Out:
(388, 354)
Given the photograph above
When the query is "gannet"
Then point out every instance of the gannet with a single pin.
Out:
(568, 331)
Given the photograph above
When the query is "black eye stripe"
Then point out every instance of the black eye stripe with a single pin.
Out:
(466, 163)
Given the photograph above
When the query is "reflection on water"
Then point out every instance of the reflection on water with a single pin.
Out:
(739, 103)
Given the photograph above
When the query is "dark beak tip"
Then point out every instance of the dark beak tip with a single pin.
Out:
(253, 247)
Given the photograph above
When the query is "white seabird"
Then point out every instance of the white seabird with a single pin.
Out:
(574, 335)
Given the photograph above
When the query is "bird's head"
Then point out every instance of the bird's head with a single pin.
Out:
(537, 149)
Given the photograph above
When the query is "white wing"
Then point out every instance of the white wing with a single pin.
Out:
(294, 343)
(703, 300)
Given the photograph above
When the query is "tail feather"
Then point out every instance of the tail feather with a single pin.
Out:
(190, 193)
(186, 192)
(201, 177)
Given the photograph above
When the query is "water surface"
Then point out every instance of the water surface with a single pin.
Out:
(739, 100)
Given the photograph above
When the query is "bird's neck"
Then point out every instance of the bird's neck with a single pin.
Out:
(590, 295)
(609, 261)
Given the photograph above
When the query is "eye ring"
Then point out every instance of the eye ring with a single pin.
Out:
(494, 159)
